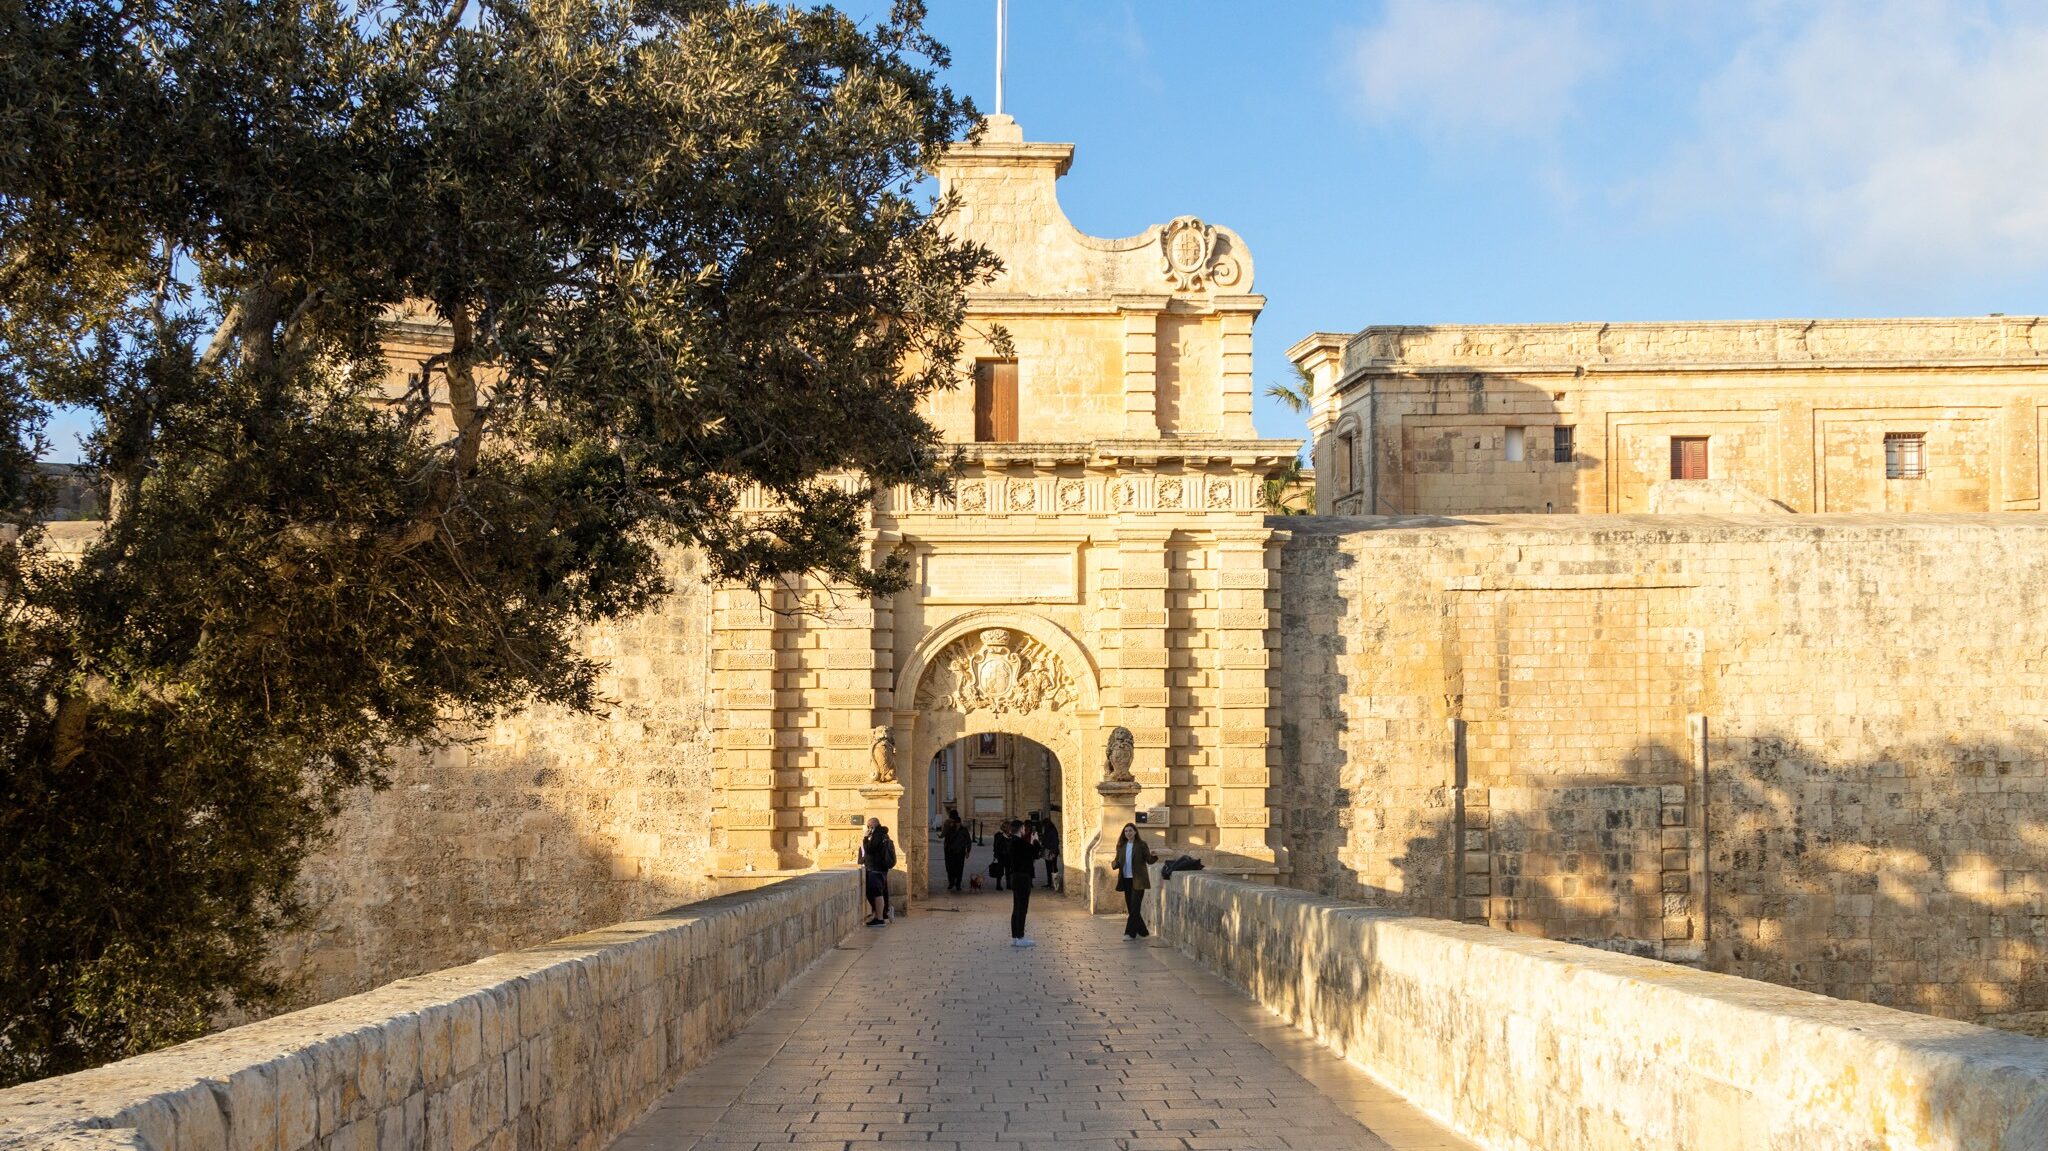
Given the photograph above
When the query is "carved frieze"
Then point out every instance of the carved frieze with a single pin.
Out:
(997, 670)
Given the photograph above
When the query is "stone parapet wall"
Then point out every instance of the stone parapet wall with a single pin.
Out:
(557, 1046)
(1809, 750)
(1528, 1045)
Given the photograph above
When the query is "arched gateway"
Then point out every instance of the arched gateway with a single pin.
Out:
(1002, 672)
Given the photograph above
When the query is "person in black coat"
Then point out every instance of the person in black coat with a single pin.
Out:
(1020, 866)
(955, 840)
(999, 864)
(877, 857)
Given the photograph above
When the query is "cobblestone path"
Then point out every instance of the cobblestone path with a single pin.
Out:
(934, 1032)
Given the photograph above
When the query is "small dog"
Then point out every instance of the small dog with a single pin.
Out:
(974, 883)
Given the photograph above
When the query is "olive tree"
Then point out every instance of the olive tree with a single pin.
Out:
(677, 249)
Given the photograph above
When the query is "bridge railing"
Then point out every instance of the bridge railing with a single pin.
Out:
(558, 1046)
(1522, 1043)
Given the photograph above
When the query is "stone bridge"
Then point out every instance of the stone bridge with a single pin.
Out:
(1258, 1017)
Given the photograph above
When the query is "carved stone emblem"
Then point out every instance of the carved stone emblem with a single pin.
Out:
(1116, 756)
(1073, 495)
(999, 671)
(973, 497)
(1170, 491)
(1219, 494)
(882, 754)
(920, 500)
(1189, 256)
(1023, 497)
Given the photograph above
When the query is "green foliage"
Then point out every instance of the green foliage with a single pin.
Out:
(1297, 395)
(678, 248)
(1288, 492)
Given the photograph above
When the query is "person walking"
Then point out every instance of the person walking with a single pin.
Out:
(999, 856)
(877, 858)
(1133, 877)
(1021, 866)
(955, 840)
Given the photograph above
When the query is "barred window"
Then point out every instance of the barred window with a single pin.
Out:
(1905, 455)
(1561, 447)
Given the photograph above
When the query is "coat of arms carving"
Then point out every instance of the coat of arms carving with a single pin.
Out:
(999, 671)
(1189, 255)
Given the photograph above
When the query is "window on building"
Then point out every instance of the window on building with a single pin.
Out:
(995, 401)
(1345, 464)
(1517, 442)
(1905, 455)
(1561, 443)
(1688, 457)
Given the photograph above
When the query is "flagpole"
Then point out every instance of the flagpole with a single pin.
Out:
(1002, 30)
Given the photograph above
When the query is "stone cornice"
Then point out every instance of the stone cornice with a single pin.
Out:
(1107, 304)
(1132, 453)
(1735, 345)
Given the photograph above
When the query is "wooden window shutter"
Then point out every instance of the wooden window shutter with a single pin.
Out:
(1688, 457)
(995, 401)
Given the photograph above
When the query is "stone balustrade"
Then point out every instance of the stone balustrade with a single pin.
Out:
(557, 1046)
(1523, 1044)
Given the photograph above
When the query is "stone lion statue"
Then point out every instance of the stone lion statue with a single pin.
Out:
(882, 753)
(1116, 756)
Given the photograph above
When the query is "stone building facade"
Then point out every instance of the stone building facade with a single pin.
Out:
(1942, 415)
(1808, 749)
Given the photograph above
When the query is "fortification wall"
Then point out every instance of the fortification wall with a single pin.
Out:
(547, 823)
(1534, 1046)
(558, 1046)
(1808, 751)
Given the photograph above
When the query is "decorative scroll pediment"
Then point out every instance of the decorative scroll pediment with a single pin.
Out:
(997, 670)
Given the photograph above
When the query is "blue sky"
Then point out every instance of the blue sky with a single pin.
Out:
(1419, 161)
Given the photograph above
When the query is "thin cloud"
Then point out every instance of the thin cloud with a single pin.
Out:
(1898, 141)
(1473, 67)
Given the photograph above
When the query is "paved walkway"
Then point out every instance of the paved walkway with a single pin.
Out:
(935, 1032)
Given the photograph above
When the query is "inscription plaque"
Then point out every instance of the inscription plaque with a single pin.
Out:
(1001, 577)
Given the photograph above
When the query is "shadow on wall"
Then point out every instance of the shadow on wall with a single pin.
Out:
(1916, 879)
(548, 823)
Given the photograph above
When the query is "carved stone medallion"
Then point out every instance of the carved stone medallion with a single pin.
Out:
(1219, 494)
(997, 670)
(1189, 255)
(1169, 493)
(1023, 497)
(973, 497)
(1073, 495)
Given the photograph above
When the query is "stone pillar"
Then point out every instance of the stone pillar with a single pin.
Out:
(1143, 658)
(884, 801)
(745, 658)
(1119, 806)
(1246, 565)
(1237, 317)
(1141, 368)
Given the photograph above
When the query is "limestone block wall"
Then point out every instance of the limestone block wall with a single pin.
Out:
(1794, 411)
(546, 823)
(1810, 750)
(1527, 1045)
(561, 1046)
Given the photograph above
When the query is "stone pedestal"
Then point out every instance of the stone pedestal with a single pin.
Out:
(1119, 806)
(884, 801)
